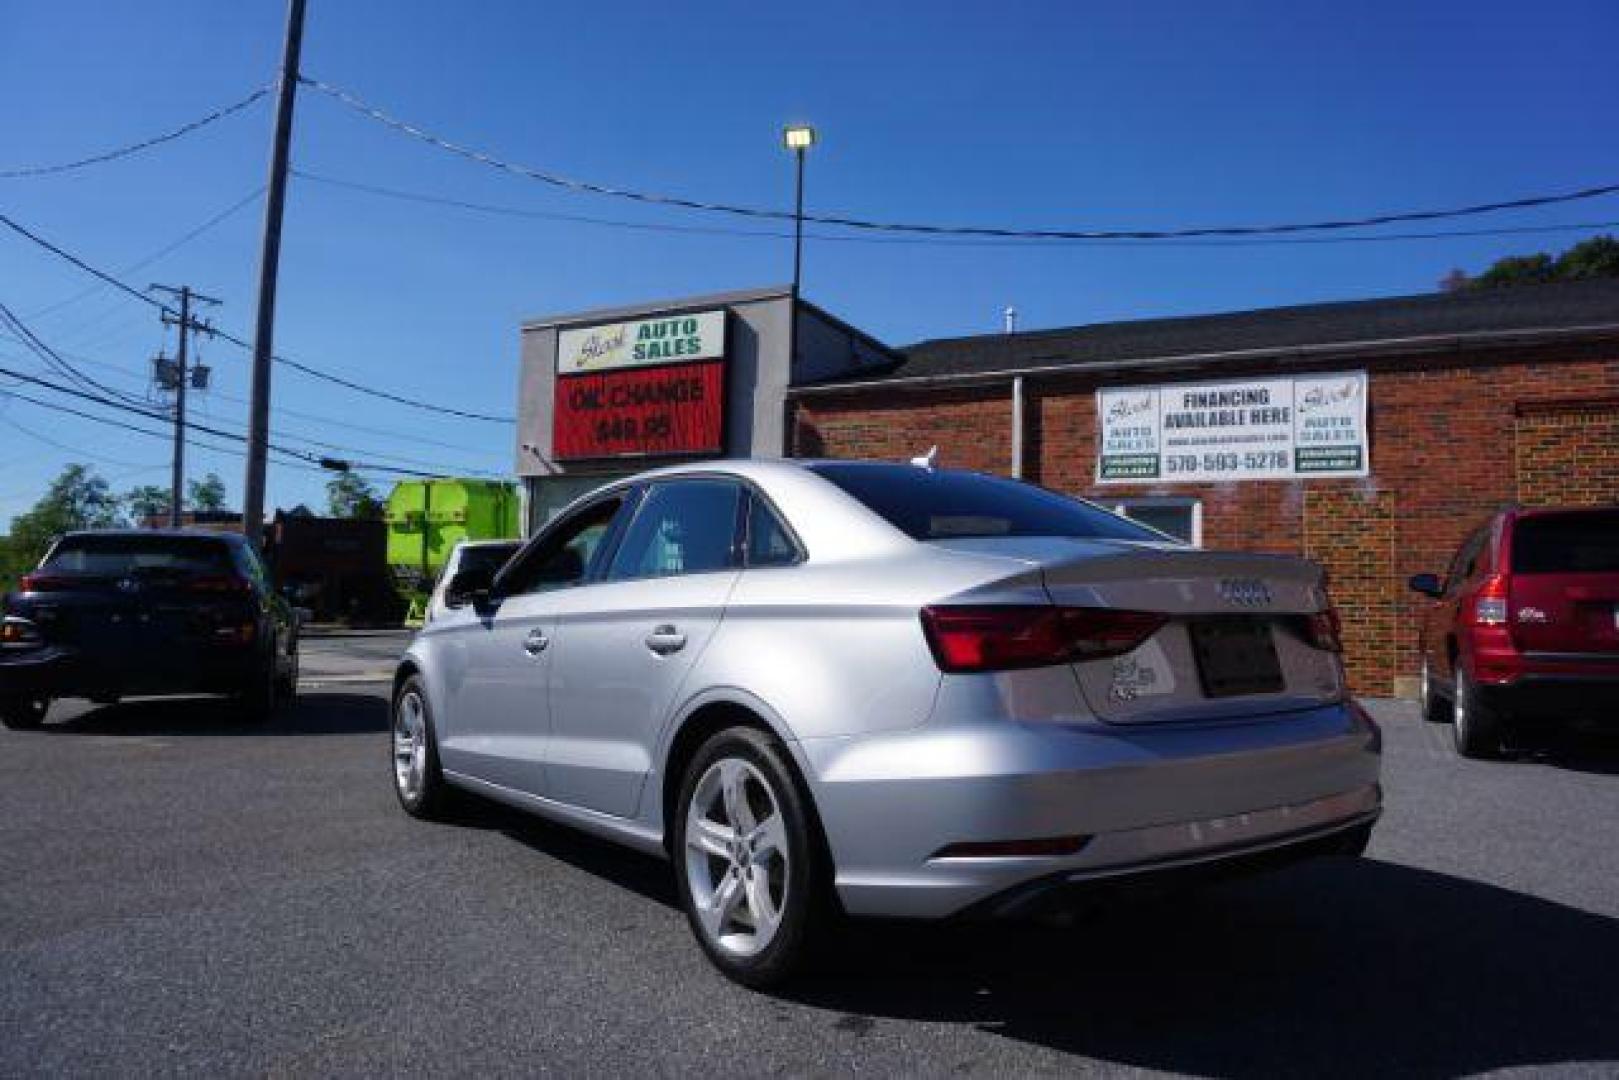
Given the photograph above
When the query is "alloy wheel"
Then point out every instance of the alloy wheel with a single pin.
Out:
(410, 745)
(737, 857)
(1459, 710)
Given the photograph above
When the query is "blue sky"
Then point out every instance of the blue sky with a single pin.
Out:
(1061, 114)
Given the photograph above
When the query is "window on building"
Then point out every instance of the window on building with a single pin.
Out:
(1180, 517)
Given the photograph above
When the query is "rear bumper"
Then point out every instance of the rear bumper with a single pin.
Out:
(56, 671)
(1143, 798)
(1549, 698)
(1063, 893)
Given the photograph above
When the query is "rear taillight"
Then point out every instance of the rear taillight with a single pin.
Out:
(1323, 630)
(1000, 638)
(38, 582)
(17, 633)
(1490, 602)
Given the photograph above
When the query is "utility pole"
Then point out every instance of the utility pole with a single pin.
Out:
(258, 417)
(182, 378)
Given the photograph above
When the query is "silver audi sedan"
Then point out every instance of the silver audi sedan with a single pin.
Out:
(826, 687)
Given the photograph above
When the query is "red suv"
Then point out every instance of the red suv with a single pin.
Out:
(1525, 633)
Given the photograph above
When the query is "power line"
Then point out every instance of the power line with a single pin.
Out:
(937, 241)
(122, 425)
(192, 425)
(591, 187)
(136, 147)
(284, 410)
(174, 245)
(53, 359)
(307, 369)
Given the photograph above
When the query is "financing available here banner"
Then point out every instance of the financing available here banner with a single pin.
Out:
(1312, 426)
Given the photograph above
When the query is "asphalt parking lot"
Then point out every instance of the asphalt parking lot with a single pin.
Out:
(181, 892)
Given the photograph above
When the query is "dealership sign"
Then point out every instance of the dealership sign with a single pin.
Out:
(1309, 427)
(641, 389)
(642, 343)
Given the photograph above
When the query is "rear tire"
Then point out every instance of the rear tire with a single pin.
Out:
(24, 713)
(287, 685)
(418, 779)
(1435, 709)
(1477, 727)
(259, 698)
(748, 864)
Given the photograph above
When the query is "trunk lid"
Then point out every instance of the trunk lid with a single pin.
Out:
(1235, 641)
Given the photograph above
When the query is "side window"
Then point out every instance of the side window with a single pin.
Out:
(1466, 560)
(769, 542)
(682, 527)
(563, 556)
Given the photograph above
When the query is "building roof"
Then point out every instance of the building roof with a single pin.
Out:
(1346, 326)
(655, 308)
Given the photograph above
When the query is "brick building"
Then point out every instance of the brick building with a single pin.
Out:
(1369, 436)
(1473, 401)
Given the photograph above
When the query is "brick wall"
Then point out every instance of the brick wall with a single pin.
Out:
(1350, 529)
(1568, 453)
(1453, 438)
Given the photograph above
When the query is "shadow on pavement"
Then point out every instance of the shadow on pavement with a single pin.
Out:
(1335, 967)
(1338, 966)
(1580, 752)
(314, 713)
(643, 875)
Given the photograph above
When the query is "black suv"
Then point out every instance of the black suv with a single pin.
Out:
(126, 612)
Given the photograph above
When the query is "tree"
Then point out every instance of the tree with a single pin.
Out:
(1597, 257)
(76, 499)
(147, 501)
(1536, 269)
(349, 495)
(207, 493)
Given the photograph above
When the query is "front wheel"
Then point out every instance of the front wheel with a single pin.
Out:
(24, 713)
(418, 779)
(748, 869)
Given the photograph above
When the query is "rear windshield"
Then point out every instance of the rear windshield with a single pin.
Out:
(929, 504)
(1583, 543)
(119, 555)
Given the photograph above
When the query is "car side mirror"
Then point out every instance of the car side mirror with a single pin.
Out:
(473, 585)
(1427, 585)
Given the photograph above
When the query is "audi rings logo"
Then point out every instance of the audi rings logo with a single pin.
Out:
(1244, 592)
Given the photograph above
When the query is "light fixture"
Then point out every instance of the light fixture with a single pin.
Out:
(798, 137)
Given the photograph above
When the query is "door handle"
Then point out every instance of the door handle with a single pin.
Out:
(536, 642)
(665, 640)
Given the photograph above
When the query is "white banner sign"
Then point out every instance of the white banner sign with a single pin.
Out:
(1234, 429)
(669, 339)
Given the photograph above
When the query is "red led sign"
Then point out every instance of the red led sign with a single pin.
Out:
(640, 412)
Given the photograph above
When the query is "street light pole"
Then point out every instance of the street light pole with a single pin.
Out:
(798, 138)
(798, 223)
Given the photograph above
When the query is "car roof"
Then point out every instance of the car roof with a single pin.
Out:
(190, 534)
